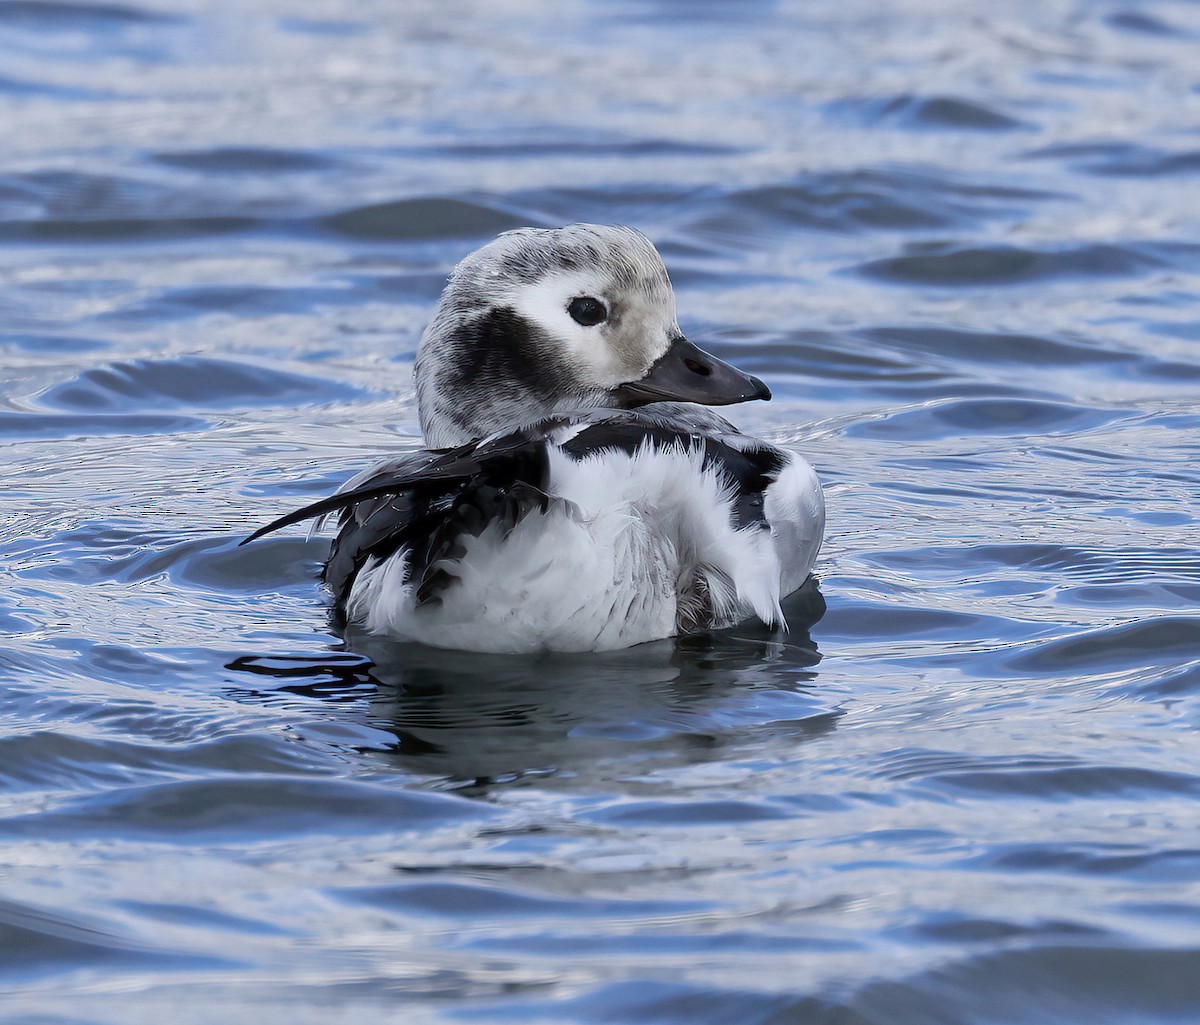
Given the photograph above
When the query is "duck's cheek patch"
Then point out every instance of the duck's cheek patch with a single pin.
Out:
(505, 353)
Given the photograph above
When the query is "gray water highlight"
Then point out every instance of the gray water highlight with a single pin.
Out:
(960, 243)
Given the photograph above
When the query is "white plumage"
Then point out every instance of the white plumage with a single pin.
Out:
(580, 509)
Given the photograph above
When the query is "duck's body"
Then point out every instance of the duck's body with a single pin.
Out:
(552, 516)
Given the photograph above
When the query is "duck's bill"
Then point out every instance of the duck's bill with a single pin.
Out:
(686, 373)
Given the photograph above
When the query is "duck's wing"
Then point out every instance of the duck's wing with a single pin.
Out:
(424, 502)
(417, 470)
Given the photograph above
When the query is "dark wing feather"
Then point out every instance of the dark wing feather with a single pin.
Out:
(427, 467)
(426, 503)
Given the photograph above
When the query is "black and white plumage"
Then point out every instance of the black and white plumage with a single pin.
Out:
(567, 503)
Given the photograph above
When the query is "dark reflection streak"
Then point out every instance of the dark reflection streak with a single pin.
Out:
(474, 720)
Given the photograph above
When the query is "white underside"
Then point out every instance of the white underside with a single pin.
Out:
(606, 567)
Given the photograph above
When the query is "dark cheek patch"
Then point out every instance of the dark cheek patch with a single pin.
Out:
(508, 355)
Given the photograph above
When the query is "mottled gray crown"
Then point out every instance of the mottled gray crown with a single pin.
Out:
(526, 255)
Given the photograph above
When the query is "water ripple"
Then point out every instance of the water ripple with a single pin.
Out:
(419, 219)
(926, 112)
(189, 382)
(948, 264)
(247, 160)
(245, 809)
(40, 942)
(44, 425)
(56, 15)
(1122, 159)
(1010, 417)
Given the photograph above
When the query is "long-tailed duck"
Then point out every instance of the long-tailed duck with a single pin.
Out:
(573, 498)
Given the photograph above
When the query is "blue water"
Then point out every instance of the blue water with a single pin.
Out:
(962, 244)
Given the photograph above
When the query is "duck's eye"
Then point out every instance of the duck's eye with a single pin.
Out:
(587, 311)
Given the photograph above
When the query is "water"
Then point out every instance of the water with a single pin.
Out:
(959, 241)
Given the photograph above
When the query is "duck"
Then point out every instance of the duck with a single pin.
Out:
(578, 492)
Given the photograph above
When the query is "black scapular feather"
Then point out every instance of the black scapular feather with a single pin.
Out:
(426, 505)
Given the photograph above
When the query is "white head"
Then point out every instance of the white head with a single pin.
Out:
(548, 321)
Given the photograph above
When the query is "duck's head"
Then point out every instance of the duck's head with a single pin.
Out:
(548, 321)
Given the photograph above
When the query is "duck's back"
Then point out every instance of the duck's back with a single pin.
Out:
(586, 533)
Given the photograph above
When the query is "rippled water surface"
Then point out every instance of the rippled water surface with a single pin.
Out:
(961, 242)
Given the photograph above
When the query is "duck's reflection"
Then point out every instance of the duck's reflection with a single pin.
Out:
(472, 718)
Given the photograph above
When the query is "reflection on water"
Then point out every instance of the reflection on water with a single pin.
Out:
(473, 719)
